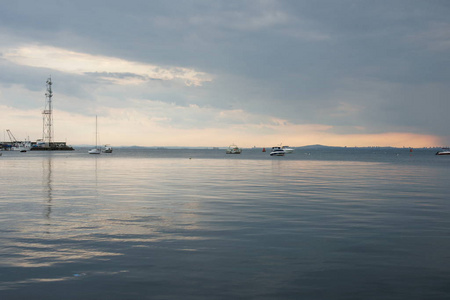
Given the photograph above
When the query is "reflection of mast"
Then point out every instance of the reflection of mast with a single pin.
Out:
(47, 132)
(47, 176)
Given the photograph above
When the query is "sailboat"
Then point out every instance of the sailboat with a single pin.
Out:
(95, 150)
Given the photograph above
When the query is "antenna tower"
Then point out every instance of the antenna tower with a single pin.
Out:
(47, 132)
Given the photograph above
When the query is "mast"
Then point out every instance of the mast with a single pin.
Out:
(47, 131)
(96, 132)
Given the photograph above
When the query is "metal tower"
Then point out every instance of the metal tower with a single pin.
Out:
(47, 132)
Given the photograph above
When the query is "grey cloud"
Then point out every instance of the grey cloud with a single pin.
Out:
(296, 60)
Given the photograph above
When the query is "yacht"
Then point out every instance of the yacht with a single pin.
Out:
(107, 149)
(277, 151)
(233, 149)
(445, 151)
(95, 150)
(288, 149)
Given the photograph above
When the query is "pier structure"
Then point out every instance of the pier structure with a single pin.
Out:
(46, 143)
(34, 146)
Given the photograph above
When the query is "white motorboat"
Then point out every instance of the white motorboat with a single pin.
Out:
(21, 146)
(288, 149)
(277, 151)
(233, 149)
(95, 150)
(107, 149)
(445, 151)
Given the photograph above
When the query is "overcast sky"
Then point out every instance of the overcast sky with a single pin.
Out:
(213, 73)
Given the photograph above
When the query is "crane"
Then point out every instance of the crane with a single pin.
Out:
(11, 136)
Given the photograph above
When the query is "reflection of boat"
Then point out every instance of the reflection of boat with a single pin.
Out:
(95, 150)
(233, 149)
(288, 149)
(107, 149)
(277, 151)
(445, 151)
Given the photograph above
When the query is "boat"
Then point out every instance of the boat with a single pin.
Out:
(277, 151)
(95, 150)
(445, 151)
(288, 149)
(107, 149)
(233, 149)
(21, 146)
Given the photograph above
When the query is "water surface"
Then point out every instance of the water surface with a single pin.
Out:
(199, 224)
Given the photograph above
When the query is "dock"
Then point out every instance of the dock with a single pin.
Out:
(44, 144)
(34, 146)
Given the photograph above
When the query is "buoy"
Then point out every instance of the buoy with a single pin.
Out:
(264, 149)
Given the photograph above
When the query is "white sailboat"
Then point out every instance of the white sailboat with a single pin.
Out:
(95, 150)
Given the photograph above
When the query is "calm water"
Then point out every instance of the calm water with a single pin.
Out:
(199, 224)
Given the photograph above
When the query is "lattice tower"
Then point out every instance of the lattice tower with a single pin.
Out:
(47, 132)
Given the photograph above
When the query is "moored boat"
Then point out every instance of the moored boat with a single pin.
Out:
(277, 151)
(95, 150)
(233, 149)
(445, 151)
(288, 149)
(107, 149)
(21, 146)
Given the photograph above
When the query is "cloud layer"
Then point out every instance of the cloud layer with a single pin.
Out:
(356, 73)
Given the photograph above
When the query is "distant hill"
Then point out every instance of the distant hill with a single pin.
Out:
(316, 147)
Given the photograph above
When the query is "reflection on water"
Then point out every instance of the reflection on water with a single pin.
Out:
(140, 227)
(47, 183)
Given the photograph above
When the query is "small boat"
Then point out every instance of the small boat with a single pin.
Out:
(288, 149)
(277, 151)
(107, 149)
(233, 149)
(445, 151)
(95, 150)
(21, 146)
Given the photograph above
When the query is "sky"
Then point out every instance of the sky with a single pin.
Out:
(214, 73)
